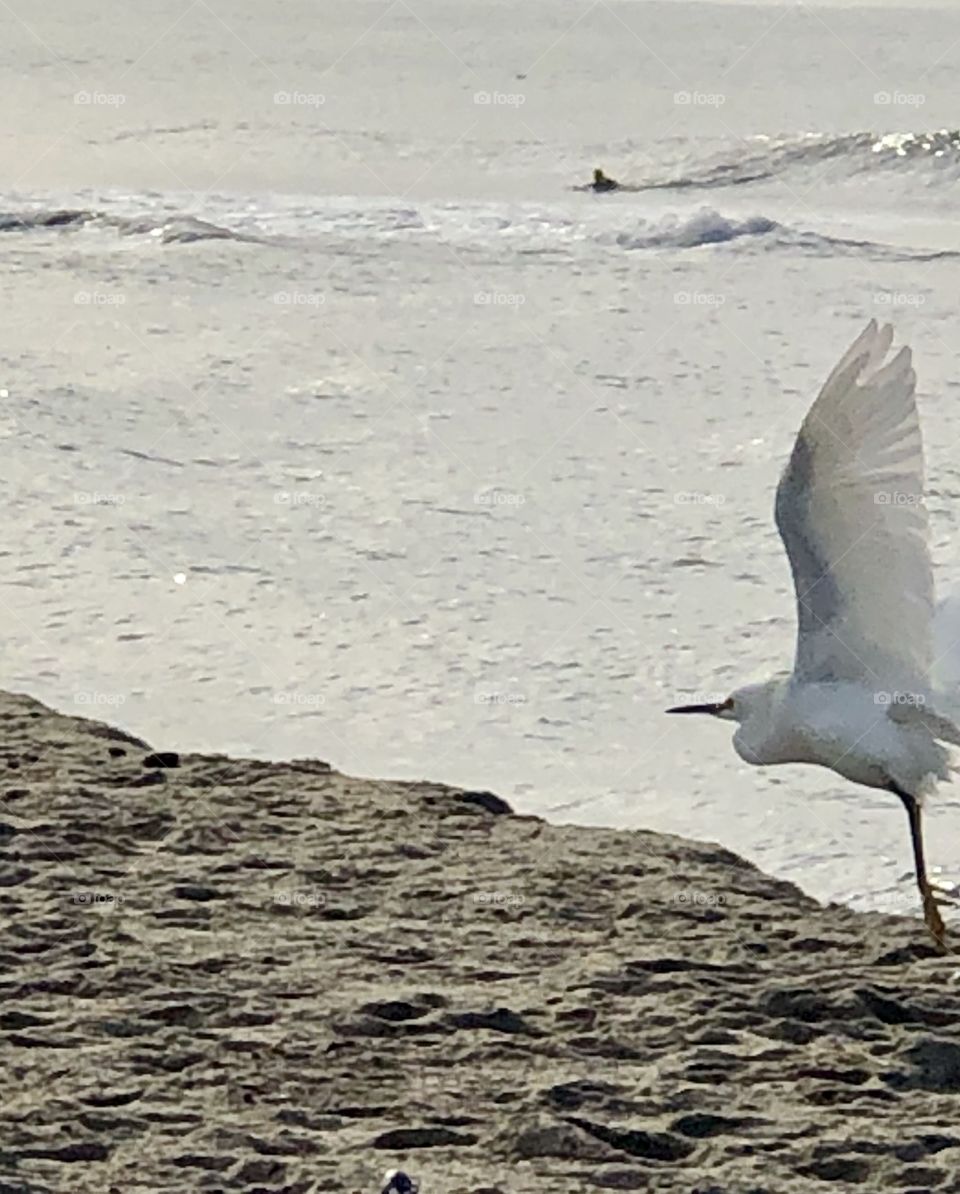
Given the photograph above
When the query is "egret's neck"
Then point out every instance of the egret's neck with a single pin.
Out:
(759, 736)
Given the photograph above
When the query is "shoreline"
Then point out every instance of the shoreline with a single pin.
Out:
(239, 975)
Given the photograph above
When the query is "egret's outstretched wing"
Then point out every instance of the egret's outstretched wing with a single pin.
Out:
(946, 647)
(851, 514)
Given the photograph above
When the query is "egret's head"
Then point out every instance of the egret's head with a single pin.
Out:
(737, 707)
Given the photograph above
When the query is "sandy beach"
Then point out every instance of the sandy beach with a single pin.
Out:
(250, 976)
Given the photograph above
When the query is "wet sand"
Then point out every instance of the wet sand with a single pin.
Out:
(250, 976)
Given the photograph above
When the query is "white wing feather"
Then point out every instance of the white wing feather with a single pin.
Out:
(851, 515)
(946, 649)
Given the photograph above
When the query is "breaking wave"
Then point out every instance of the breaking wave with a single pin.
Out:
(177, 229)
(543, 232)
(705, 227)
(761, 158)
(709, 227)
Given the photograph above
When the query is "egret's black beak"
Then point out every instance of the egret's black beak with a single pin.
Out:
(713, 709)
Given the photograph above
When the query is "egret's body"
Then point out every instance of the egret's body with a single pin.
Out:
(840, 726)
(866, 697)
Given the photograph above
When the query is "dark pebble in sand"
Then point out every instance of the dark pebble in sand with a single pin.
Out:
(403, 1138)
(621, 1179)
(935, 1065)
(114, 1098)
(488, 800)
(500, 1020)
(84, 1150)
(162, 758)
(196, 1161)
(12, 1021)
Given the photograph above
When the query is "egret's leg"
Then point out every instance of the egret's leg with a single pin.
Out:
(931, 913)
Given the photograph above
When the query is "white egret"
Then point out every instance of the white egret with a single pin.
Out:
(866, 695)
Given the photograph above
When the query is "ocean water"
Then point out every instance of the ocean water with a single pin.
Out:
(335, 422)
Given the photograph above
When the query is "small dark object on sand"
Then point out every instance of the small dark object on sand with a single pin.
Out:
(162, 758)
(398, 1183)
